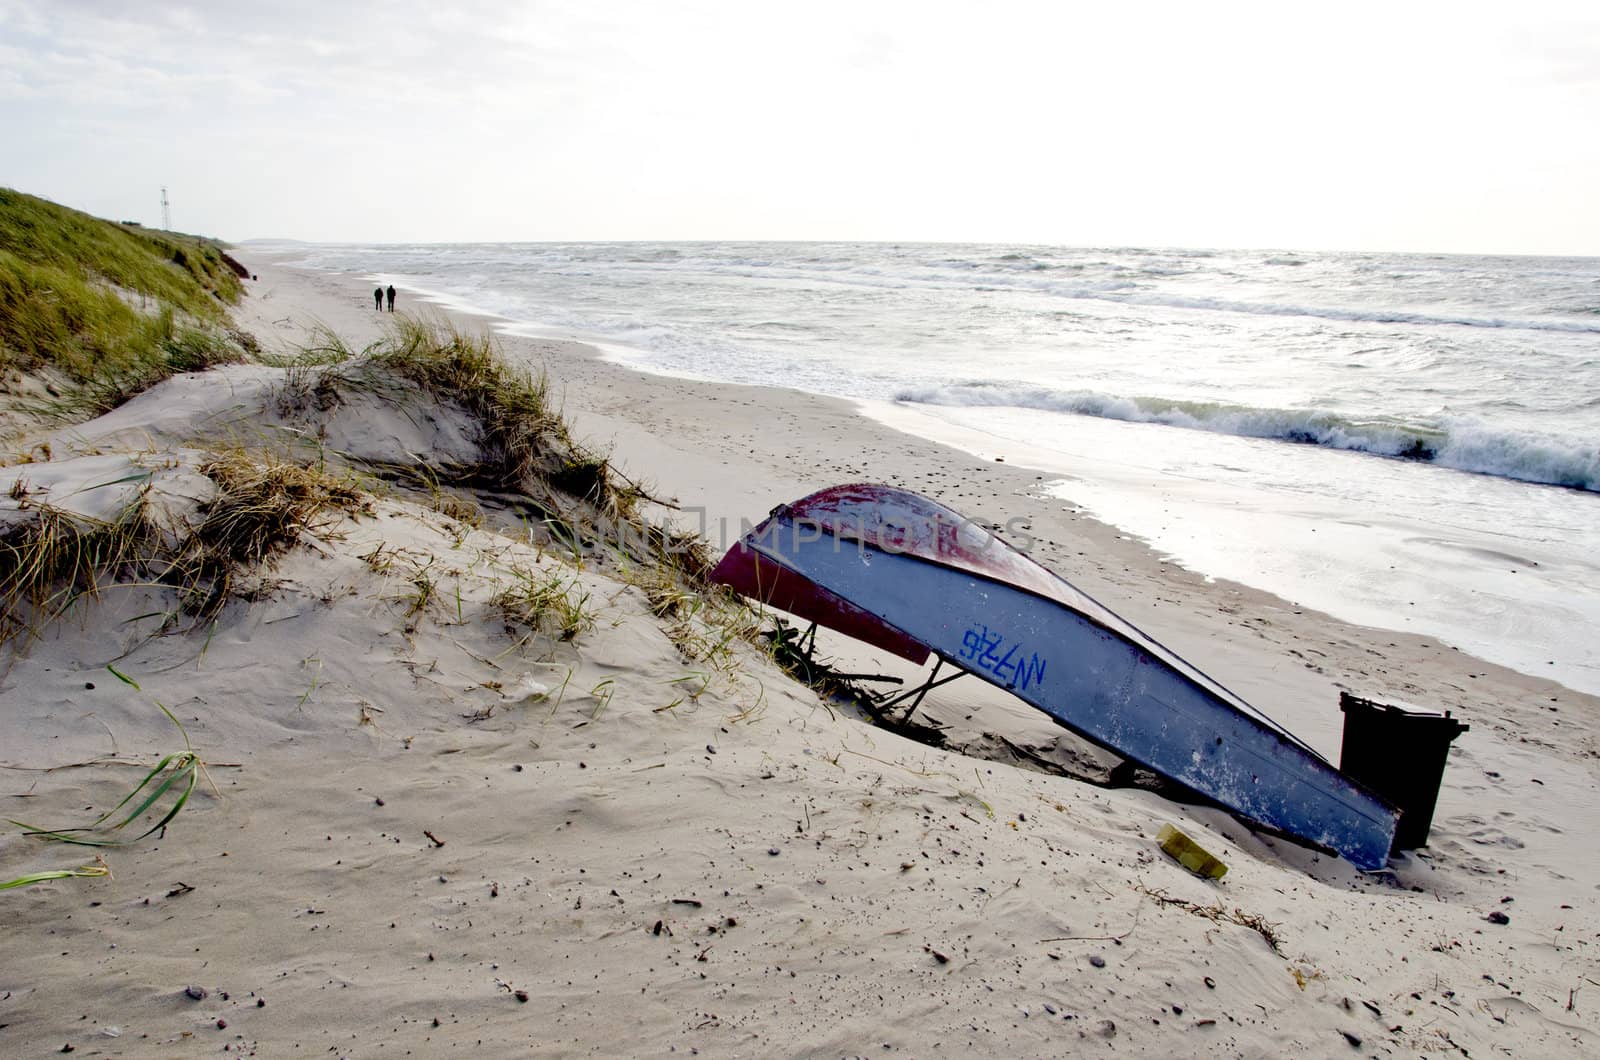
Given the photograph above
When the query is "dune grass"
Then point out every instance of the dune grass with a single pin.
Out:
(567, 496)
(98, 870)
(53, 559)
(172, 779)
(523, 433)
(176, 774)
(262, 504)
(549, 602)
(527, 449)
(109, 309)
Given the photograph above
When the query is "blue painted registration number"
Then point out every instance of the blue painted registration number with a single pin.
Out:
(987, 650)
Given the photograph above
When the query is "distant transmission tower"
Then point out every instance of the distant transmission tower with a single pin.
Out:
(166, 211)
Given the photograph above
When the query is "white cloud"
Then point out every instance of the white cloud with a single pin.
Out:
(1378, 125)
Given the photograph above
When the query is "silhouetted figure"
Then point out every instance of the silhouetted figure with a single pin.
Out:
(377, 298)
(391, 298)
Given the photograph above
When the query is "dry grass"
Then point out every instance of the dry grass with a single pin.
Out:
(523, 435)
(528, 461)
(451, 505)
(262, 505)
(51, 559)
(580, 502)
(56, 558)
(1219, 915)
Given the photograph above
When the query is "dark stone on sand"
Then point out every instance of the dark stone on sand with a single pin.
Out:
(195, 993)
(1097, 960)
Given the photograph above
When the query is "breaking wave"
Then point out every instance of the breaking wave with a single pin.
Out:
(1505, 454)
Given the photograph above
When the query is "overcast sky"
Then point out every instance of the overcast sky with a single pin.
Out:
(1400, 125)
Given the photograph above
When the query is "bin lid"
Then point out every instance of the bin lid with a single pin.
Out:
(1399, 711)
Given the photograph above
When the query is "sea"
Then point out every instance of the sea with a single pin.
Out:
(1407, 441)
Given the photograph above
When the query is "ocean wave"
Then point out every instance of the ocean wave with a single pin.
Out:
(1367, 316)
(1465, 447)
(1106, 281)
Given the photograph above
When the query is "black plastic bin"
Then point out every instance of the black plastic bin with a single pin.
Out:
(1400, 755)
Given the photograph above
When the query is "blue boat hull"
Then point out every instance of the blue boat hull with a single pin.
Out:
(1102, 680)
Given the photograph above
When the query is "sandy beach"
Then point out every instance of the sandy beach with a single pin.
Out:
(430, 832)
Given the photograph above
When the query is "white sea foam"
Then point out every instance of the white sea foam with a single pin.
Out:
(1525, 456)
(1481, 364)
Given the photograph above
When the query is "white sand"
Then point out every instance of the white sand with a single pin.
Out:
(823, 887)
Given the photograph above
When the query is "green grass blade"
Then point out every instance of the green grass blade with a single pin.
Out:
(176, 806)
(54, 874)
(141, 618)
(130, 796)
(140, 476)
(65, 836)
(124, 678)
(172, 777)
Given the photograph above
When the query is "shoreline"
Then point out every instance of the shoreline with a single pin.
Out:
(1401, 568)
(1473, 588)
(950, 443)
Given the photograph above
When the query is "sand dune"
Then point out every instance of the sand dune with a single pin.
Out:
(439, 824)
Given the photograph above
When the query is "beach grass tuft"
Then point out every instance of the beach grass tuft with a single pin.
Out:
(56, 558)
(525, 442)
(174, 778)
(579, 500)
(549, 602)
(529, 460)
(51, 559)
(262, 504)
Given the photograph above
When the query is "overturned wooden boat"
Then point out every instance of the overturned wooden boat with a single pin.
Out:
(911, 576)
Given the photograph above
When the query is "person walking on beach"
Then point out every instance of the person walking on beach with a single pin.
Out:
(391, 298)
(377, 298)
